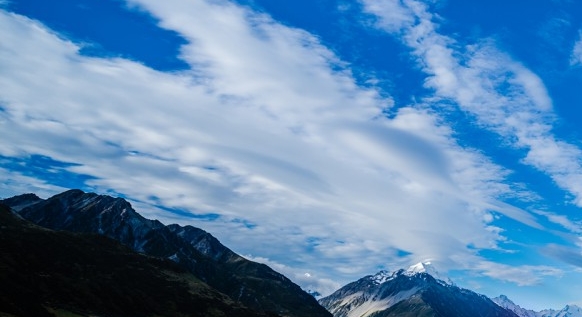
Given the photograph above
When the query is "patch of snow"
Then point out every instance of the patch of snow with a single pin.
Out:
(427, 267)
(568, 311)
(382, 277)
(240, 293)
(173, 257)
(417, 268)
(506, 303)
(371, 306)
(348, 299)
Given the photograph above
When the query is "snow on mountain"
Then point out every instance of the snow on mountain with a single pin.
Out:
(382, 277)
(506, 303)
(416, 291)
(373, 304)
(422, 267)
(568, 311)
(427, 267)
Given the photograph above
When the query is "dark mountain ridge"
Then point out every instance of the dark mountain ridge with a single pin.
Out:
(252, 284)
(58, 273)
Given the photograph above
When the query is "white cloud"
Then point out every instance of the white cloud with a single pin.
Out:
(576, 56)
(565, 222)
(308, 281)
(505, 96)
(267, 127)
(394, 15)
(524, 275)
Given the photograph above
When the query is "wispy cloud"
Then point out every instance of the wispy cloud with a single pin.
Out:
(269, 127)
(14, 183)
(568, 255)
(524, 275)
(565, 222)
(505, 96)
(576, 56)
(304, 277)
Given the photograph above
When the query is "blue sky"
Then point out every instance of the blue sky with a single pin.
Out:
(329, 139)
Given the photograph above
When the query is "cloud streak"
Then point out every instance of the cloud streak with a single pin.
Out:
(505, 96)
(525, 275)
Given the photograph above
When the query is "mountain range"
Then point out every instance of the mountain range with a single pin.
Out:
(80, 254)
(410, 292)
(421, 291)
(567, 311)
(251, 284)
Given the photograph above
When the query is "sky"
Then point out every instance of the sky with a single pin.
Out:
(329, 139)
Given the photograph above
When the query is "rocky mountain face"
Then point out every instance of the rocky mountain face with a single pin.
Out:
(252, 284)
(567, 311)
(411, 292)
(58, 273)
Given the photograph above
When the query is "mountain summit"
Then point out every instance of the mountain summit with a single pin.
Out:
(409, 292)
(428, 268)
(418, 268)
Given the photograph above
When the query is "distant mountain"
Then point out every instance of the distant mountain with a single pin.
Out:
(506, 303)
(57, 273)
(252, 284)
(568, 311)
(411, 292)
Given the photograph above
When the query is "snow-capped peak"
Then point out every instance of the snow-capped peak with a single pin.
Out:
(428, 268)
(508, 304)
(382, 277)
(421, 267)
(569, 311)
(502, 299)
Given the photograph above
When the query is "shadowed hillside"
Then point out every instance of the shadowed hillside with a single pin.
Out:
(48, 273)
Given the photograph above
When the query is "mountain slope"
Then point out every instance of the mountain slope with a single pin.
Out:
(252, 284)
(411, 292)
(506, 303)
(47, 273)
(567, 311)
